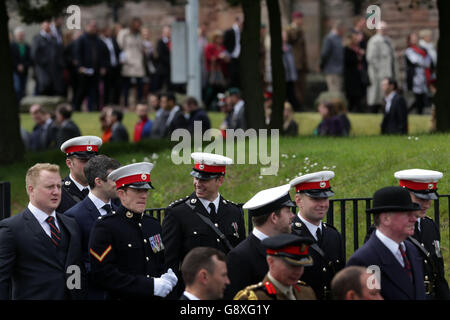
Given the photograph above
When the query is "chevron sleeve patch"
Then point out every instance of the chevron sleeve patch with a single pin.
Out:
(102, 256)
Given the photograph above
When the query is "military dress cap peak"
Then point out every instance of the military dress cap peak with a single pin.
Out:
(82, 147)
(292, 248)
(423, 183)
(208, 165)
(135, 175)
(269, 200)
(392, 199)
(314, 185)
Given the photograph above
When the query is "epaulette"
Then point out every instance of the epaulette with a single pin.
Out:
(302, 283)
(106, 216)
(225, 201)
(327, 225)
(177, 202)
(247, 293)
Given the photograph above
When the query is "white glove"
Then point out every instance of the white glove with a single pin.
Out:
(171, 277)
(161, 287)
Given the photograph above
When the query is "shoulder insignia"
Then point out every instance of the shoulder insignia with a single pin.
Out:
(327, 225)
(245, 294)
(270, 288)
(177, 202)
(67, 183)
(302, 283)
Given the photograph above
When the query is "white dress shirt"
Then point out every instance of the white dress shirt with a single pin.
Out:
(286, 290)
(261, 236)
(207, 202)
(190, 296)
(392, 246)
(311, 227)
(79, 186)
(99, 203)
(388, 100)
(41, 216)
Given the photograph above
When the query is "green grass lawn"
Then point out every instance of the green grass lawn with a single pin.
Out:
(363, 163)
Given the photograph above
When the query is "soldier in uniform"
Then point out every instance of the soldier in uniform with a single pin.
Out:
(270, 211)
(327, 250)
(287, 255)
(204, 218)
(75, 186)
(126, 248)
(422, 186)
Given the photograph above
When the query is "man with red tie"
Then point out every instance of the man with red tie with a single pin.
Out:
(399, 262)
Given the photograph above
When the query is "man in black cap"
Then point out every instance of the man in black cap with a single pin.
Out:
(287, 255)
(312, 193)
(75, 186)
(271, 215)
(204, 218)
(399, 261)
(125, 247)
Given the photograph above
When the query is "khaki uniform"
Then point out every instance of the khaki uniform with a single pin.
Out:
(266, 290)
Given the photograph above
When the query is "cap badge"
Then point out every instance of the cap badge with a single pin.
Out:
(201, 167)
(89, 148)
(144, 177)
(430, 186)
(322, 184)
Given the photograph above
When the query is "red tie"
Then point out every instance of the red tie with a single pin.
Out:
(54, 231)
(407, 266)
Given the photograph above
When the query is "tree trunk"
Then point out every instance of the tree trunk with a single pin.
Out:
(11, 145)
(252, 89)
(442, 97)
(278, 75)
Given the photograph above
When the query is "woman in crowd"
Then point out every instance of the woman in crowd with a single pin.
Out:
(331, 124)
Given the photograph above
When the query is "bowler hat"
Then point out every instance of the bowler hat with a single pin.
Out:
(392, 199)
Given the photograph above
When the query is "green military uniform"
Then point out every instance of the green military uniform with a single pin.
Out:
(267, 290)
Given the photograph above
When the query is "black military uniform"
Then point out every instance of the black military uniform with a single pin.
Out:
(184, 230)
(429, 238)
(328, 256)
(84, 147)
(70, 195)
(247, 264)
(126, 252)
(423, 185)
(328, 251)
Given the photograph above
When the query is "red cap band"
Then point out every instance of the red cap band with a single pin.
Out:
(93, 148)
(206, 168)
(295, 250)
(418, 185)
(312, 185)
(144, 177)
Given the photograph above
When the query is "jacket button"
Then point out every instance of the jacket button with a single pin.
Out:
(129, 245)
(148, 259)
(145, 240)
(140, 224)
(216, 224)
(148, 276)
(324, 269)
(218, 240)
(195, 232)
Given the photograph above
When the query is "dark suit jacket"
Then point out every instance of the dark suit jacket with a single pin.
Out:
(184, 298)
(28, 258)
(179, 121)
(396, 120)
(395, 283)
(229, 40)
(119, 133)
(246, 265)
(68, 130)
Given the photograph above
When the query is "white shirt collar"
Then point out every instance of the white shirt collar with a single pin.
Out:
(311, 227)
(260, 235)
(418, 223)
(391, 245)
(79, 186)
(388, 100)
(40, 215)
(98, 203)
(190, 296)
(207, 202)
(238, 106)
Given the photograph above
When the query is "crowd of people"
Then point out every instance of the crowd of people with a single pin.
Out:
(88, 237)
(101, 65)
